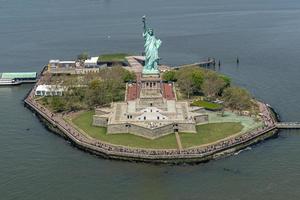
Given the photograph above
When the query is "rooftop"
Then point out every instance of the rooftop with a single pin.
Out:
(13, 75)
(92, 60)
(61, 61)
(116, 57)
(50, 88)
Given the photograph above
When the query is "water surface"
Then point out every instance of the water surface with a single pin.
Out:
(36, 164)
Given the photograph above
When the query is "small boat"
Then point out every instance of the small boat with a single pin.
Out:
(5, 82)
(17, 78)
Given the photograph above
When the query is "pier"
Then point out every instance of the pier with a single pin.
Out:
(205, 63)
(202, 153)
(288, 125)
(17, 78)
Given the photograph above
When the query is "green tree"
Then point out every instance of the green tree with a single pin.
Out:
(226, 79)
(237, 98)
(102, 92)
(185, 82)
(117, 73)
(92, 89)
(57, 104)
(169, 76)
(83, 56)
(189, 80)
(95, 93)
(128, 76)
(212, 85)
(197, 79)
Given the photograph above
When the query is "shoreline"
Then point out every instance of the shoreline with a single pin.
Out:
(219, 149)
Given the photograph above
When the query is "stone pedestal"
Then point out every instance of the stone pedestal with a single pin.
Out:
(150, 73)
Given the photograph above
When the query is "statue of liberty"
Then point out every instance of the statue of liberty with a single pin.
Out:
(151, 46)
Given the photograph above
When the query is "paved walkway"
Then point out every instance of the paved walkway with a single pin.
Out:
(178, 141)
(249, 123)
(112, 150)
(133, 91)
(167, 89)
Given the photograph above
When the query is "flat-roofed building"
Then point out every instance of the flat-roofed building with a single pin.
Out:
(91, 62)
(61, 64)
(61, 67)
(74, 67)
(49, 90)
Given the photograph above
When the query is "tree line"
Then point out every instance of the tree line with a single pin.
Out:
(195, 81)
(89, 90)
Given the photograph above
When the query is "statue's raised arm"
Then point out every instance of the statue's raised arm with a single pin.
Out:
(144, 23)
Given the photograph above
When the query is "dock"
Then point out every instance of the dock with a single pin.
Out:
(203, 153)
(135, 64)
(205, 63)
(17, 78)
(288, 125)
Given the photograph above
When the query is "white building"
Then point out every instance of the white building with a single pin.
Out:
(91, 62)
(49, 90)
(54, 64)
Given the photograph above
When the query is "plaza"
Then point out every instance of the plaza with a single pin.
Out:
(150, 108)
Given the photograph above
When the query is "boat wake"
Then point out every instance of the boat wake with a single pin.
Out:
(246, 149)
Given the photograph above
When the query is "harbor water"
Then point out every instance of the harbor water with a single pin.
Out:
(263, 34)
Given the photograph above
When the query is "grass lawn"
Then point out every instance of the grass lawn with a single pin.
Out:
(206, 133)
(117, 57)
(207, 105)
(209, 133)
(84, 122)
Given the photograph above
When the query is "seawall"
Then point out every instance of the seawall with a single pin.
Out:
(226, 147)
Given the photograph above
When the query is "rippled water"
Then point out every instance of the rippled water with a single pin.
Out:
(36, 164)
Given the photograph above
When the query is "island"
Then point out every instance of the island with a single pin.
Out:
(132, 107)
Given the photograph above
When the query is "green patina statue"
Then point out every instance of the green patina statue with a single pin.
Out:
(151, 46)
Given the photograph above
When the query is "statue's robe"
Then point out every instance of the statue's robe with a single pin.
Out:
(151, 51)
